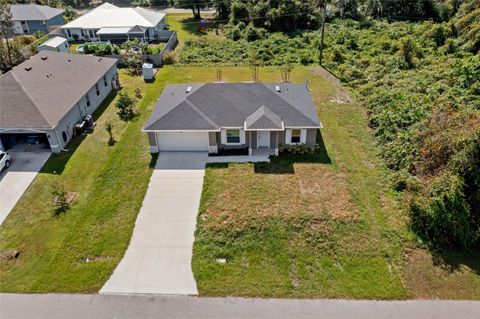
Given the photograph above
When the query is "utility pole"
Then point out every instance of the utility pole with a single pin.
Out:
(324, 2)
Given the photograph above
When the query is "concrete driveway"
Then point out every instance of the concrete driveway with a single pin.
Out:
(158, 259)
(16, 179)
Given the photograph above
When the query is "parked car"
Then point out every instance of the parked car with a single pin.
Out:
(5, 160)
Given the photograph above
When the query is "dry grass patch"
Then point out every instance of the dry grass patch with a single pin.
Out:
(434, 276)
(316, 194)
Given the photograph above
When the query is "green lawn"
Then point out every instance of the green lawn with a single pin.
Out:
(111, 183)
(324, 226)
(187, 28)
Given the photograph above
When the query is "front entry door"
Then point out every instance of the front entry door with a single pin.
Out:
(263, 139)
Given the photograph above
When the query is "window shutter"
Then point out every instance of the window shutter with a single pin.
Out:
(303, 136)
(242, 136)
(288, 136)
(223, 136)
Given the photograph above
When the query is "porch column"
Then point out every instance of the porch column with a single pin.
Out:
(249, 142)
(276, 143)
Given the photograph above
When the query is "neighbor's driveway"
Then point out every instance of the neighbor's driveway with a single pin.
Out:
(15, 180)
(158, 259)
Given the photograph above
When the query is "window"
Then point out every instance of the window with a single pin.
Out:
(233, 136)
(105, 80)
(296, 136)
(69, 33)
(2, 155)
(64, 136)
(88, 99)
(97, 89)
(92, 35)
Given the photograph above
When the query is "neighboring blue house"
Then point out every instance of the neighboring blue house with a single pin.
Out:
(30, 18)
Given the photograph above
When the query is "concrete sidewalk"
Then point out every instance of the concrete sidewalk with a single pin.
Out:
(54, 306)
(158, 259)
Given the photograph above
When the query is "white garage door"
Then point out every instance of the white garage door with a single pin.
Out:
(183, 141)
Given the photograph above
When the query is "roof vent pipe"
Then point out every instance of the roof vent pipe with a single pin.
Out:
(189, 89)
(278, 88)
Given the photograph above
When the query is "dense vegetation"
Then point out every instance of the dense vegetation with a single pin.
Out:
(420, 82)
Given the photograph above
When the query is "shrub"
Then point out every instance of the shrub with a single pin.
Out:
(299, 149)
(251, 33)
(126, 106)
(407, 51)
(109, 129)
(169, 58)
(439, 34)
(337, 56)
(444, 218)
(100, 48)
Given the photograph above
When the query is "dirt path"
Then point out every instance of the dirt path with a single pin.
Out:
(341, 93)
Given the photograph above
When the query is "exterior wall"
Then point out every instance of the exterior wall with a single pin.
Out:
(17, 27)
(61, 48)
(80, 110)
(212, 138)
(34, 26)
(281, 137)
(253, 136)
(56, 21)
(274, 139)
(233, 146)
(74, 32)
(311, 137)
(152, 141)
(95, 100)
(54, 142)
(65, 127)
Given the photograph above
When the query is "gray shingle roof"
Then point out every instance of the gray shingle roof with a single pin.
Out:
(263, 118)
(39, 92)
(230, 104)
(26, 12)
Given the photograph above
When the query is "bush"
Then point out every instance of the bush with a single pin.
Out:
(100, 48)
(251, 33)
(126, 106)
(337, 56)
(444, 218)
(169, 58)
(298, 149)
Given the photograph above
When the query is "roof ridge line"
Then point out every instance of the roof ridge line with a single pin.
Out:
(205, 117)
(305, 115)
(30, 98)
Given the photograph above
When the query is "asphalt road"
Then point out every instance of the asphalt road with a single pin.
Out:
(53, 306)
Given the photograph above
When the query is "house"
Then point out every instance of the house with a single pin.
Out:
(214, 116)
(30, 18)
(111, 23)
(46, 96)
(58, 44)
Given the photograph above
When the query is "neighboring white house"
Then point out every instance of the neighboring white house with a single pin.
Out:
(219, 116)
(45, 97)
(111, 23)
(58, 44)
